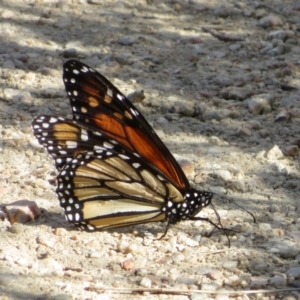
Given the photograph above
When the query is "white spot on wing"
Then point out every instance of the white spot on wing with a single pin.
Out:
(84, 135)
(134, 112)
(136, 165)
(77, 217)
(160, 178)
(108, 145)
(84, 69)
(71, 144)
(90, 227)
(52, 120)
(96, 148)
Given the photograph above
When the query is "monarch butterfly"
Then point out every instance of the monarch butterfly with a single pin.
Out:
(114, 170)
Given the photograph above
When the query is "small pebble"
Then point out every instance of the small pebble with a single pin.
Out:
(215, 275)
(236, 93)
(127, 265)
(293, 272)
(278, 281)
(233, 280)
(282, 116)
(71, 52)
(46, 240)
(270, 21)
(22, 211)
(260, 104)
(146, 282)
(127, 40)
(274, 153)
(291, 150)
(136, 96)
(230, 264)
(212, 286)
(281, 34)
(124, 59)
(223, 174)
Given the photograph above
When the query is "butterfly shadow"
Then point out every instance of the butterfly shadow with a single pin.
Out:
(56, 220)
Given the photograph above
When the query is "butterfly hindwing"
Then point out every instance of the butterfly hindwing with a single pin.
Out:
(102, 184)
(108, 188)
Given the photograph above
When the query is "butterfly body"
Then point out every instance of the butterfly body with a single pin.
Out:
(114, 170)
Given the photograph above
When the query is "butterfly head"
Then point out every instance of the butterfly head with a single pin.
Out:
(193, 202)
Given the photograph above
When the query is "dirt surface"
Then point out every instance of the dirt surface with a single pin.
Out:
(221, 81)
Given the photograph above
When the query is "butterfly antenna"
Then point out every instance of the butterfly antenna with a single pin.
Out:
(239, 206)
(244, 209)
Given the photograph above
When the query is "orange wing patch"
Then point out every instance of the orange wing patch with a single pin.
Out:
(93, 102)
(137, 141)
(149, 151)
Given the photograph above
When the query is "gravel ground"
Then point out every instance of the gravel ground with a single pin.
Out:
(221, 81)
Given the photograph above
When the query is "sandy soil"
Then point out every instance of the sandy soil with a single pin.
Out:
(221, 80)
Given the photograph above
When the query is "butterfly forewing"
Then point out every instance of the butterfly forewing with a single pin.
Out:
(97, 103)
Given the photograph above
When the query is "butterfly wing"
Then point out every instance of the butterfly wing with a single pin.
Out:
(114, 169)
(64, 139)
(112, 188)
(104, 185)
(97, 103)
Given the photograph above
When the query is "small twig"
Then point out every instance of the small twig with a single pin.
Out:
(282, 86)
(279, 13)
(216, 252)
(285, 87)
(274, 10)
(187, 292)
(221, 36)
